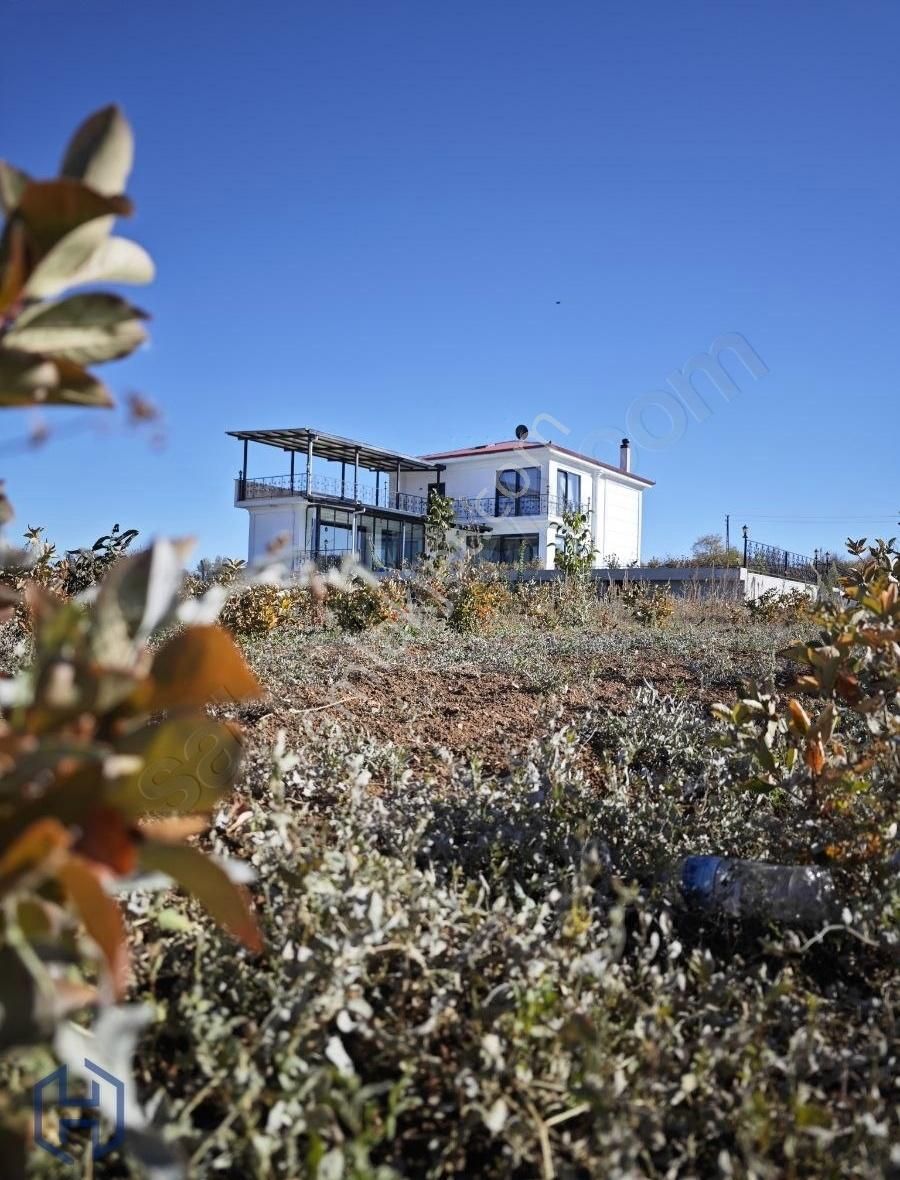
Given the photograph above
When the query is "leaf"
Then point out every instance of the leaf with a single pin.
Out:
(24, 1020)
(12, 184)
(109, 840)
(111, 1045)
(189, 764)
(13, 264)
(203, 879)
(32, 848)
(101, 151)
(51, 209)
(799, 716)
(143, 589)
(100, 914)
(115, 260)
(78, 387)
(198, 666)
(25, 378)
(83, 328)
(70, 258)
(814, 756)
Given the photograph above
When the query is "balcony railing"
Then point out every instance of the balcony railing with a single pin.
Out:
(494, 507)
(268, 487)
(466, 511)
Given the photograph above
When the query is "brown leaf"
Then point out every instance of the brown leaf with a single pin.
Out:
(814, 757)
(100, 914)
(52, 208)
(799, 716)
(189, 763)
(33, 847)
(108, 840)
(199, 666)
(203, 879)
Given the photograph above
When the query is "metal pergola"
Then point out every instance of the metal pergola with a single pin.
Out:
(346, 451)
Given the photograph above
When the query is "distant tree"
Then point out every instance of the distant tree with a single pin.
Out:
(709, 545)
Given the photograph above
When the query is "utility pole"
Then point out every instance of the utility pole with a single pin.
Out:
(727, 532)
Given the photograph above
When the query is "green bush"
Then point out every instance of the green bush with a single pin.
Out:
(360, 606)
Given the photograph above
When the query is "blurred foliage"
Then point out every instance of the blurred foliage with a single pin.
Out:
(58, 235)
(109, 759)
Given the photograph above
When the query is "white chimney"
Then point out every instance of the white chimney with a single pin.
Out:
(625, 455)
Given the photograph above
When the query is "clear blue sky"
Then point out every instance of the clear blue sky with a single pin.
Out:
(419, 224)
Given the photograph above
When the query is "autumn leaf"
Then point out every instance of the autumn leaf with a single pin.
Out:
(100, 914)
(203, 879)
(201, 665)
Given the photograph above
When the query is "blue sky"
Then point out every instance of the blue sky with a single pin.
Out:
(420, 224)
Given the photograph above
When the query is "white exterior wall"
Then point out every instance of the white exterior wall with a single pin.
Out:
(269, 522)
(621, 523)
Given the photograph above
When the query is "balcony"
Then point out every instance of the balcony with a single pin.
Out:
(466, 511)
(326, 487)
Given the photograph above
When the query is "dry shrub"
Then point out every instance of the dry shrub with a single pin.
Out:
(359, 606)
(257, 610)
(772, 607)
(477, 604)
(646, 603)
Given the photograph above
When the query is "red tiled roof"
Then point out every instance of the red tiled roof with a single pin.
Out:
(523, 445)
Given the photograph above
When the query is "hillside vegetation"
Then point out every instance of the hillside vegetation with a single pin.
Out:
(466, 828)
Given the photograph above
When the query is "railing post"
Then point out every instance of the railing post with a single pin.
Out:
(292, 471)
(397, 504)
(244, 474)
(356, 476)
(309, 464)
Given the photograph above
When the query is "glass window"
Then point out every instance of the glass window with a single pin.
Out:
(386, 546)
(334, 533)
(519, 491)
(568, 490)
(413, 542)
(519, 547)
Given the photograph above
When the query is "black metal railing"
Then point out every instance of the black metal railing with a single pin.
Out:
(267, 487)
(493, 507)
(781, 563)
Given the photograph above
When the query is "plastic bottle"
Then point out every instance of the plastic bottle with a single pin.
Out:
(797, 895)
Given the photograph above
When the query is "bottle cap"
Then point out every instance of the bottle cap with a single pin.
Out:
(698, 877)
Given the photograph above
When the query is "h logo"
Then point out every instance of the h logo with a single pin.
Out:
(53, 1092)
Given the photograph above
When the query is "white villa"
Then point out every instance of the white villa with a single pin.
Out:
(347, 497)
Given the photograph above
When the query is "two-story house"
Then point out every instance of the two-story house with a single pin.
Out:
(346, 497)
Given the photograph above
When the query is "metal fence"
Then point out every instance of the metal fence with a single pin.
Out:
(782, 563)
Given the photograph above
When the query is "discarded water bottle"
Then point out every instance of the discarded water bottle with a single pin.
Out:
(797, 895)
